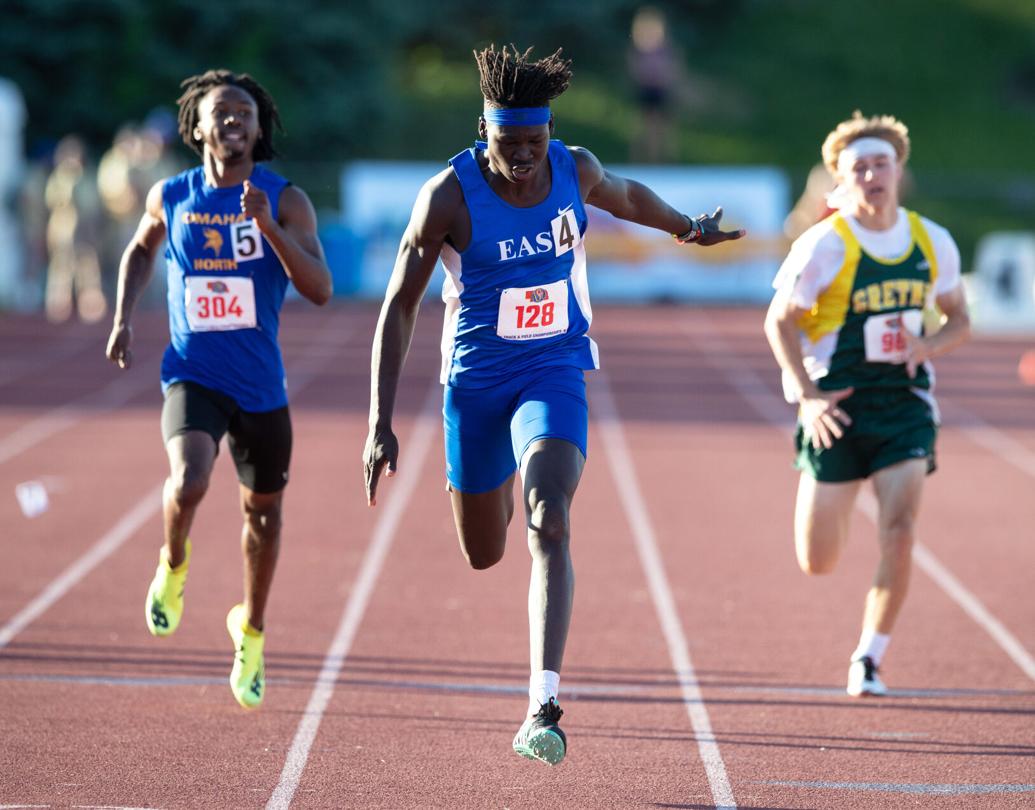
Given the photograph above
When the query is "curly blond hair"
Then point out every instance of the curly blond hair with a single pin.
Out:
(878, 126)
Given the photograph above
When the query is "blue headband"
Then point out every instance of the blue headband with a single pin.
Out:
(517, 116)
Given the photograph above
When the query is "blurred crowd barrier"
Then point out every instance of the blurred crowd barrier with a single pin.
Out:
(1001, 288)
(66, 218)
(627, 263)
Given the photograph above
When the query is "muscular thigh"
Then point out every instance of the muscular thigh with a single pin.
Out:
(190, 407)
(476, 425)
(535, 419)
(550, 474)
(260, 444)
(482, 518)
(551, 405)
(822, 511)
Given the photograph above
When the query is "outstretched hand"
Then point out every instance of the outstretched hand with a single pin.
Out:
(711, 234)
(381, 451)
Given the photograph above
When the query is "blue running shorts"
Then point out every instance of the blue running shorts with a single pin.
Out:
(488, 430)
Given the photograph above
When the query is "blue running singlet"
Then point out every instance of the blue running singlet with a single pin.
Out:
(520, 283)
(226, 288)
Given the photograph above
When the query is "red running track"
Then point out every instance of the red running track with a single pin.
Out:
(702, 670)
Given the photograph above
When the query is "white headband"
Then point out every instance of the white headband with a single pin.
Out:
(860, 148)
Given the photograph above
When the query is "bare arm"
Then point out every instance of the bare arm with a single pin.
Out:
(135, 270)
(954, 332)
(783, 334)
(293, 238)
(430, 222)
(822, 419)
(635, 202)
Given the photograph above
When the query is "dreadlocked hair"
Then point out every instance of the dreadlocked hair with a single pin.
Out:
(510, 78)
(196, 87)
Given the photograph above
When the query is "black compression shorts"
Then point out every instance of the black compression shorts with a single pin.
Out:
(260, 443)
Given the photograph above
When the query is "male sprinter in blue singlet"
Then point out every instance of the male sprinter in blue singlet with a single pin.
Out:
(847, 327)
(508, 220)
(238, 233)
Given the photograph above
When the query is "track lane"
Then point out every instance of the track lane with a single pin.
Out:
(768, 645)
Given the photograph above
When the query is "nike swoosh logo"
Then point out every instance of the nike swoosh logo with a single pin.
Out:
(565, 210)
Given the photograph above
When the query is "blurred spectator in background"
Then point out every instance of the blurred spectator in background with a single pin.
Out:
(136, 160)
(812, 205)
(73, 228)
(123, 198)
(820, 199)
(33, 214)
(656, 68)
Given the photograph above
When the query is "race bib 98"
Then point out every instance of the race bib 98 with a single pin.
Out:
(220, 303)
(533, 313)
(885, 335)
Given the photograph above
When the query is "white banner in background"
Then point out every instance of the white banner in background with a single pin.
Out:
(627, 262)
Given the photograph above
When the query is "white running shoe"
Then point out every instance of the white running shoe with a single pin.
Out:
(864, 680)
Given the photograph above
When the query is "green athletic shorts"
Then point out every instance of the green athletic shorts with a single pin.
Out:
(889, 425)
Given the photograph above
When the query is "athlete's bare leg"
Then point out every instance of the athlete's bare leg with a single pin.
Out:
(821, 517)
(260, 544)
(898, 490)
(481, 522)
(191, 457)
(551, 472)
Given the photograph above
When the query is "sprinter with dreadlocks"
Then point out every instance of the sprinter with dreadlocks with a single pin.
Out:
(507, 218)
(237, 234)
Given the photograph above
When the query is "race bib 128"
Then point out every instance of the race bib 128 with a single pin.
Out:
(533, 313)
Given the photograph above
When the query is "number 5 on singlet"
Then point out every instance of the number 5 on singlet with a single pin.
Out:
(247, 240)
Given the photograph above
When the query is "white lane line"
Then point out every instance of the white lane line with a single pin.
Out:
(774, 410)
(992, 439)
(97, 553)
(971, 605)
(620, 460)
(892, 787)
(396, 500)
(333, 334)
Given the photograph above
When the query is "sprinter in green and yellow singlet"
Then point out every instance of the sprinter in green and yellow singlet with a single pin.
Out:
(847, 326)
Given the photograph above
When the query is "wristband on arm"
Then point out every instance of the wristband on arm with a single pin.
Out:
(692, 235)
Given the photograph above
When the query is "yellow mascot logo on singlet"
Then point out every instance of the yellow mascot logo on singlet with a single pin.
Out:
(213, 240)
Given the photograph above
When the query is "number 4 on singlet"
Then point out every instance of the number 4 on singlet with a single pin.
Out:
(565, 231)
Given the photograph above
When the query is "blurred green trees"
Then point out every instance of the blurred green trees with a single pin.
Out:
(370, 79)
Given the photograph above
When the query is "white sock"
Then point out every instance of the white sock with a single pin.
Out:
(542, 686)
(872, 644)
